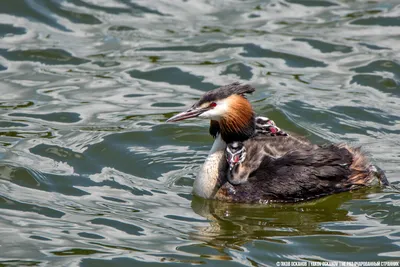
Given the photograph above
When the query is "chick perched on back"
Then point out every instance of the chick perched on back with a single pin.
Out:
(235, 154)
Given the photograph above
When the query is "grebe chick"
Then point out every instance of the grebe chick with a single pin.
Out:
(281, 167)
(235, 155)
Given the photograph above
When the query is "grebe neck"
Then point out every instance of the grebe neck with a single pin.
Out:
(212, 173)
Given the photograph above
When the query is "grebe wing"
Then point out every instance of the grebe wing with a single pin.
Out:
(330, 163)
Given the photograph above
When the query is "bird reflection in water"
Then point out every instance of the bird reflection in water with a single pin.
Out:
(233, 225)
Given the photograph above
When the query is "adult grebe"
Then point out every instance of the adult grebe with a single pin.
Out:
(263, 164)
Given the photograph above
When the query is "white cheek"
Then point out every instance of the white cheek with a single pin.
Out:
(211, 114)
(215, 113)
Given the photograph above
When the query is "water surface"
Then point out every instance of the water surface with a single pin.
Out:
(91, 175)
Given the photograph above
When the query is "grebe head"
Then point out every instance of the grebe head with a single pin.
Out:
(231, 114)
(235, 154)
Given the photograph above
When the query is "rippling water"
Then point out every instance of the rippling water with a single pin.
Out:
(90, 174)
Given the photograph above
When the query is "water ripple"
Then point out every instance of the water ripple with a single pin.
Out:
(91, 175)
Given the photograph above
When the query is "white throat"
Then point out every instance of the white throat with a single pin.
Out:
(212, 172)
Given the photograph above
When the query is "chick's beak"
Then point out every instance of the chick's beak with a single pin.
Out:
(190, 113)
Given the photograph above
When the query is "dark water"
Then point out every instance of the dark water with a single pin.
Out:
(91, 175)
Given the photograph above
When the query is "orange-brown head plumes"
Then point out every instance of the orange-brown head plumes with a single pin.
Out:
(228, 109)
(237, 124)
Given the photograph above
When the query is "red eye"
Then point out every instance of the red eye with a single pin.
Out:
(213, 105)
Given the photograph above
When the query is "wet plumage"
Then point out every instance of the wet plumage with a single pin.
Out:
(285, 170)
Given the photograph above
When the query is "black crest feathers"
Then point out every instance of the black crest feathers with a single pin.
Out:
(225, 91)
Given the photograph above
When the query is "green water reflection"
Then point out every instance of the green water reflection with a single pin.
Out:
(91, 175)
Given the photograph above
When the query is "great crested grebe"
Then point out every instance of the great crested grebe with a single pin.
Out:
(253, 161)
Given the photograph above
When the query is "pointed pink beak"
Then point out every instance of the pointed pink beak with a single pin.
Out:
(190, 113)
